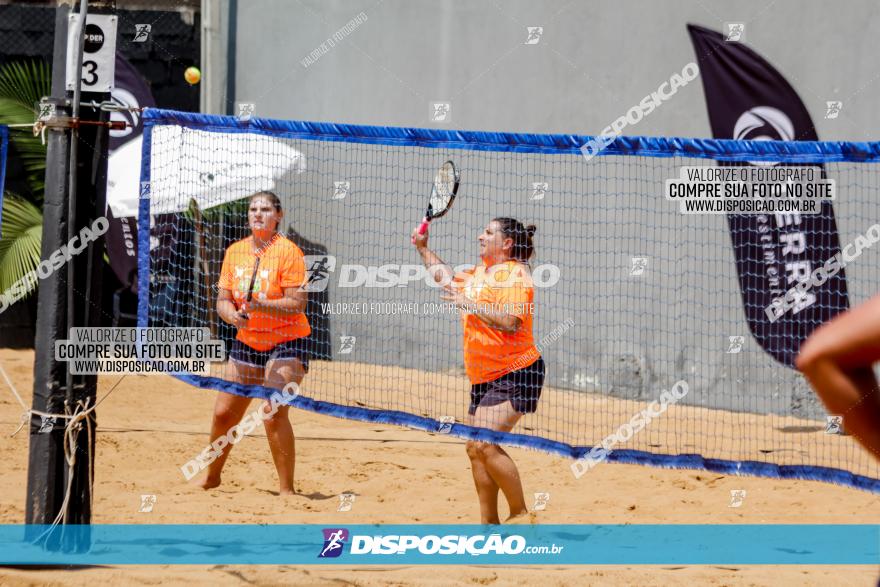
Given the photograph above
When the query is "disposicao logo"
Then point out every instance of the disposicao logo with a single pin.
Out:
(334, 542)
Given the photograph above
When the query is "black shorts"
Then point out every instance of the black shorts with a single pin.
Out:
(290, 349)
(521, 387)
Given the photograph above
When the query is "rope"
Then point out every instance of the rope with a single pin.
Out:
(82, 412)
(29, 412)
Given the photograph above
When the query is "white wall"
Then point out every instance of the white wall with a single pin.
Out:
(594, 61)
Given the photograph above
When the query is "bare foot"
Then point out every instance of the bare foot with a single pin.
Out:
(523, 518)
(286, 492)
(209, 483)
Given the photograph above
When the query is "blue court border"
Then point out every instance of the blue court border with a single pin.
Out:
(549, 144)
(728, 150)
(4, 152)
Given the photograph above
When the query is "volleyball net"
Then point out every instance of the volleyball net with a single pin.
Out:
(631, 295)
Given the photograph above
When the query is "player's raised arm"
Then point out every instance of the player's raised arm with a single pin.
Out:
(439, 269)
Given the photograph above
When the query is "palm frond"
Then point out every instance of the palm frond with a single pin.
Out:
(28, 148)
(22, 85)
(21, 240)
(26, 82)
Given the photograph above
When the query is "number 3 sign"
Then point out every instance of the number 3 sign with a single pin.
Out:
(99, 52)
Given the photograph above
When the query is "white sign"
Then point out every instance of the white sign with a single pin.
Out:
(99, 52)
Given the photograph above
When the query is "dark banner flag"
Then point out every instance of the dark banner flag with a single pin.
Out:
(130, 91)
(748, 99)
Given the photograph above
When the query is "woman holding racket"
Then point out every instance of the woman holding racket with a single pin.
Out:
(838, 359)
(260, 295)
(504, 366)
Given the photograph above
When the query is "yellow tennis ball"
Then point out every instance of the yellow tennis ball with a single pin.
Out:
(192, 75)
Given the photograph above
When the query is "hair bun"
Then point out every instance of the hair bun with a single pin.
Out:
(530, 229)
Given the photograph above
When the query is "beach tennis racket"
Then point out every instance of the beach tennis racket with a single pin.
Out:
(442, 194)
(250, 291)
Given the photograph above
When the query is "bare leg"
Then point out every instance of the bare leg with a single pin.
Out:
(228, 411)
(487, 489)
(837, 361)
(495, 460)
(282, 442)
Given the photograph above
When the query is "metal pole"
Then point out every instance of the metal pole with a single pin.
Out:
(71, 192)
(45, 487)
(59, 490)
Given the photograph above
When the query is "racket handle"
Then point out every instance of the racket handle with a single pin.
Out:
(423, 228)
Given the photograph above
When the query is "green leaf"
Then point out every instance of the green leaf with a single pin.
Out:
(21, 240)
(22, 86)
(219, 213)
(26, 82)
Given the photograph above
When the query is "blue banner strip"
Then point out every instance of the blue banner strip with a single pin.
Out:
(560, 144)
(745, 544)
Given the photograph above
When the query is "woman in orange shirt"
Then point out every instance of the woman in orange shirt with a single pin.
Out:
(269, 348)
(504, 366)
